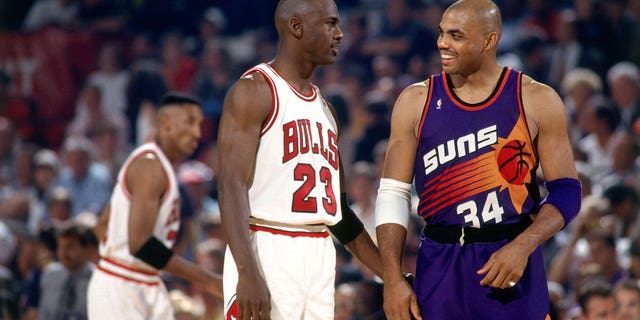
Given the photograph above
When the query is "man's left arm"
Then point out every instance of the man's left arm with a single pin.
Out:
(548, 126)
(351, 233)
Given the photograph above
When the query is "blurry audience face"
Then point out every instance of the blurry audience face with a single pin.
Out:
(108, 59)
(345, 296)
(59, 211)
(6, 137)
(581, 94)
(600, 308)
(91, 98)
(603, 255)
(627, 304)
(624, 91)
(43, 176)
(23, 168)
(78, 160)
(70, 252)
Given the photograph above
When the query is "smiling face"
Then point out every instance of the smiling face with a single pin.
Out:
(460, 42)
(469, 33)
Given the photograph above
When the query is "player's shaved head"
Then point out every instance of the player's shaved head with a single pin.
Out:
(485, 13)
(293, 8)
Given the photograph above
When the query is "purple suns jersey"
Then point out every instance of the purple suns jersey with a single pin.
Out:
(475, 164)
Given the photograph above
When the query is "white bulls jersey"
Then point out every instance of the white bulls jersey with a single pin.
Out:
(296, 178)
(114, 250)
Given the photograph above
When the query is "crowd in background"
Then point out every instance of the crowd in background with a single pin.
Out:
(52, 191)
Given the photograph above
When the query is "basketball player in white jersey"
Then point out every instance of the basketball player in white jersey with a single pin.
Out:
(280, 177)
(144, 217)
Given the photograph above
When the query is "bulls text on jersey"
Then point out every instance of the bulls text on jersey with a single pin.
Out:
(300, 137)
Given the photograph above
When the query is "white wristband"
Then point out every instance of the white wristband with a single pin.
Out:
(393, 203)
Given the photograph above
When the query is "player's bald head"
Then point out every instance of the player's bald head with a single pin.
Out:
(294, 8)
(485, 13)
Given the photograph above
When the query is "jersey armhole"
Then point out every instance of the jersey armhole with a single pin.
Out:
(426, 104)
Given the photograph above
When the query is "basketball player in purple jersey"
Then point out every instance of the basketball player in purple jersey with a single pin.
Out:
(281, 179)
(471, 138)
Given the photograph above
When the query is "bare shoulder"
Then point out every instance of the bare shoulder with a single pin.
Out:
(410, 103)
(543, 106)
(538, 95)
(146, 171)
(251, 91)
(412, 98)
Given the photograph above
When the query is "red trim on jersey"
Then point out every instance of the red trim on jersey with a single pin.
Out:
(125, 186)
(275, 101)
(293, 234)
(426, 104)
(306, 97)
(130, 268)
(155, 283)
(494, 95)
(232, 314)
(524, 114)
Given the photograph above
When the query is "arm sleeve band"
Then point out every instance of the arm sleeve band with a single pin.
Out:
(393, 203)
(565, 194)
(154, 253)
(350, 226)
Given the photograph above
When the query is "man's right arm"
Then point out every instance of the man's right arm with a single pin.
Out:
(245, 108)
(147, 183)
(399, 298)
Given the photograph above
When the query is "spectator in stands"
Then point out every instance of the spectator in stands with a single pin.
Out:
(596, 301)
(378, 127)
(627, 296)
(100, 16)
(8, 142)
(211, 84)
(345, 301)
(624, 87)
(110, 153)
(112, 80)
(64, 283)
(178, 66)
(88, 182)
(92, 114)
(45, 171)
(59, 207)
(196, 178)
(210, 255)
(620, 31)
(623, 206)
(567, 53)
(361, 189)
(625, 165)
(18, 109)
(43, 13)
(601, 122)
(399, 36)
(579, 87)
(8, 298)
(567, 263)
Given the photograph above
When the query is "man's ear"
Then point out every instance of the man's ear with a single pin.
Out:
(295, 27)
(491, 41)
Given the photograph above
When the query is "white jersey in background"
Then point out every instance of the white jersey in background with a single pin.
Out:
(114, 248)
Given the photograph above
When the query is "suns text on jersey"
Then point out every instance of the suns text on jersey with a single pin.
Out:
(459, 147)
(300, 137)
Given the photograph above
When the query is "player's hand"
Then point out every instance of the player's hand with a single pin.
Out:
(400, 301)
(253, 297)
(505, 267)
